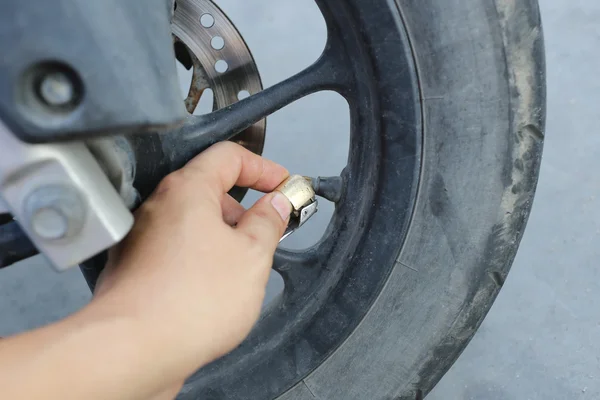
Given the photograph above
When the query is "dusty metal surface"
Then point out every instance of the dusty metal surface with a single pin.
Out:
(60, 183)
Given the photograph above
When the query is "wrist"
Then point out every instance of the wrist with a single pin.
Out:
(164, 345)
(126, 355)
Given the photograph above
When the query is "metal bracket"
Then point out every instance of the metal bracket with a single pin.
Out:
(61, 198)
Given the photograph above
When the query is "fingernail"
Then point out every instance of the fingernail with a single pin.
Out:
(282, 205)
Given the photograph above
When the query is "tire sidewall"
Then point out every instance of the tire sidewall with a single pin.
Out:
(481, 74)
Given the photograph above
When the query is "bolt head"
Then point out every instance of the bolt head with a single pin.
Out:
(56, 89)
(50, 223)
(55, 212)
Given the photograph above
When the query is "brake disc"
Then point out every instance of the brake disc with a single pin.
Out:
(207, 42)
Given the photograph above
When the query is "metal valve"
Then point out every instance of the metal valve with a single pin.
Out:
(300, 193)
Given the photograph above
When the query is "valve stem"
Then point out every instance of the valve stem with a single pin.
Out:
(329, 188)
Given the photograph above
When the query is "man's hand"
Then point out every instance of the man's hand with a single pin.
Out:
(196, 264)
(184, 288)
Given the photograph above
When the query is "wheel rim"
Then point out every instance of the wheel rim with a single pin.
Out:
(330, 287)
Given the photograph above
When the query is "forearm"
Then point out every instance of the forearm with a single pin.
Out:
(87, 356)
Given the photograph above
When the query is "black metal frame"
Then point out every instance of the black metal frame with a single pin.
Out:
(330, 287)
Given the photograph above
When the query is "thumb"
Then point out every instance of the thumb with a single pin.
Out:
(266, 221)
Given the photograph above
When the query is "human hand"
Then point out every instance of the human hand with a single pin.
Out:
(194, 268)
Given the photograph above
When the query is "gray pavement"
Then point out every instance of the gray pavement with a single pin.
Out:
(541, 339)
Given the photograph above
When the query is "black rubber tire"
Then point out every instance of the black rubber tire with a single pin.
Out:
(481, 72)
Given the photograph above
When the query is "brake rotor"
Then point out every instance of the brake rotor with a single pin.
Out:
(207, 42)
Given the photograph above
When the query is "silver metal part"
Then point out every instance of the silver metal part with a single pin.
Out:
(56, 89)
(221, 61)
(61, 198)
(54, 212)
(296, 222)
(49, 223)
(301, 195)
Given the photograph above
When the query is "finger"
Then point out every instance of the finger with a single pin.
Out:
(232, 210)
(266, 221)
(227, 164)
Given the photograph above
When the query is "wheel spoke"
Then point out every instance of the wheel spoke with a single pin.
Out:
(299, 270)
(14, 244)
(200, 132)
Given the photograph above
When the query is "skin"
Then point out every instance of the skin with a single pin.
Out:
(183, 289)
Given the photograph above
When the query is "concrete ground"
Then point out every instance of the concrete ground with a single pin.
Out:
(541, 339)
